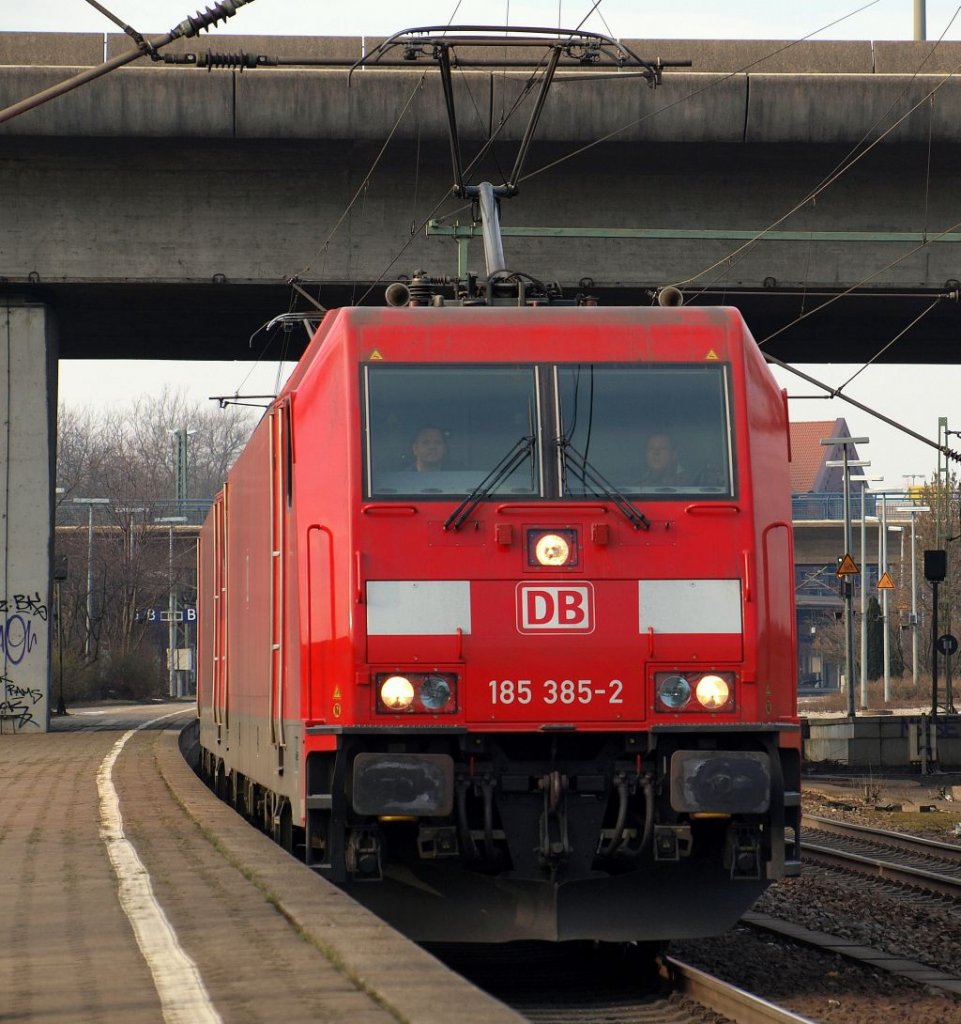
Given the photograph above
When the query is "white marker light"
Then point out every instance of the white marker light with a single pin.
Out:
(712, 692)
(552, 549)
(397, 693)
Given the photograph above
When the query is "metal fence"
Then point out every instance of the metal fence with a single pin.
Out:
(820, 507)
(189, 512)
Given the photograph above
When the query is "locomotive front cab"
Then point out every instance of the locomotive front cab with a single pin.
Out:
(573, 712)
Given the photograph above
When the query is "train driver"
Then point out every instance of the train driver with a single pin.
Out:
(661, 467)
(429, 449)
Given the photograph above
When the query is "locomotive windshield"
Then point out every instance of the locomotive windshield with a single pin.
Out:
(649, 430)
(440, 431)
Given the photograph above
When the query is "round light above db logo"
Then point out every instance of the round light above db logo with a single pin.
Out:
(552, 549)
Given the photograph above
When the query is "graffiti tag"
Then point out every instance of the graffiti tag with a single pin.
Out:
(17, 638)
(24, 604)
(18, 702)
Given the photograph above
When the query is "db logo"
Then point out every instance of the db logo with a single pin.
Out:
(555, 608)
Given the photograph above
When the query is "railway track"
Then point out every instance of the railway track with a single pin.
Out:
(580, 984)
(728, 1000)
(897, 857)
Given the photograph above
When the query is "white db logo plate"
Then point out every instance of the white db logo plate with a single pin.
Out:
(555, 608)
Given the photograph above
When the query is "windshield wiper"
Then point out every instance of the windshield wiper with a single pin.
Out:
(589, 474)
(521, 449)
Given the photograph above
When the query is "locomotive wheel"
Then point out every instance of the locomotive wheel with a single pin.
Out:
(284, 828)
(238, 792)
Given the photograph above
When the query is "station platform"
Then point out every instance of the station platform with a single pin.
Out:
(909, 739)
(130, 893)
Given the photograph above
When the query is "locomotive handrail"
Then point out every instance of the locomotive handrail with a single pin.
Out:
(712, 508)
(391, 510)
(526, 510)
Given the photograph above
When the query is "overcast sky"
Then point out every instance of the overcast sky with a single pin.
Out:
(915, 395)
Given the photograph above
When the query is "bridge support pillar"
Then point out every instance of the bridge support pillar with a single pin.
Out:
(28, 385)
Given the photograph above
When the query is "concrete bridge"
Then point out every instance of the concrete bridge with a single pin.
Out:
(159, 211)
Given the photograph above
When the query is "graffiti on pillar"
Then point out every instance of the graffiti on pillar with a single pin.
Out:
(24, 604)
(18, 630)
(22, 619)
(18, 703)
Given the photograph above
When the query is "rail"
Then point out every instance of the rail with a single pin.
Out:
(727, 1000)
(879, 853)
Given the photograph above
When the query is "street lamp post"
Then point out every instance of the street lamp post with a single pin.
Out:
(59, 575)
(89, 502)
(886, 636)
(843, 443)
(883, 530)
(883, 559)
(913, 510)
(864, 480)
(171, 607)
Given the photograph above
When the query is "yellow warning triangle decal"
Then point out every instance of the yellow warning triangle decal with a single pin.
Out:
(375, 355)
(336, 693)
(711, 354)
(848, 567)
(885, 583)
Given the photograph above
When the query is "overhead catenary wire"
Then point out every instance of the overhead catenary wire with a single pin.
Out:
(370, 173)
(840, 169)
(847, 291)
(849, 162)
(190, 26)
(688, 96)
(367, 178)
(950, 453)
(884, 348)
(527, 87)
(504, 120)
(845, 165)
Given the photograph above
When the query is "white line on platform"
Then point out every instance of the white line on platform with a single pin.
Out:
(183, 997)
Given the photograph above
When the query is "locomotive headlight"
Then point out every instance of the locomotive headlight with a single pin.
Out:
(712, 692)
(417, 693)
(397, 693)
(694, 692)
(673, 690)
(552, 549)
(435, 693)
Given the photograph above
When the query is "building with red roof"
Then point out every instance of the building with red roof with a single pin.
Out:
(819, 543)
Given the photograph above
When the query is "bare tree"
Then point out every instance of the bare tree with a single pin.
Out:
(128, 457)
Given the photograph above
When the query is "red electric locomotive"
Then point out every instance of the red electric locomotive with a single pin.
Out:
(497, 620)
(496, 608)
